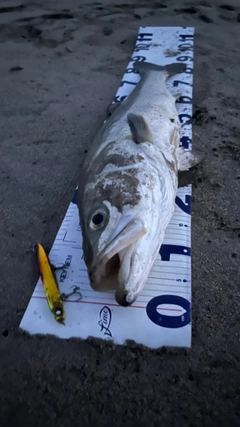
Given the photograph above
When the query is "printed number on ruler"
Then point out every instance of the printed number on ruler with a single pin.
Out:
(185, 206)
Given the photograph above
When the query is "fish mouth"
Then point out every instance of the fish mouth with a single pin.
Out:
(112, 267)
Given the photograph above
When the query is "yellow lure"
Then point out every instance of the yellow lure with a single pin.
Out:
(50, 286)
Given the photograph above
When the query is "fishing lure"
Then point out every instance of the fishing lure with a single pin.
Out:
(50, 285)
(51, 289)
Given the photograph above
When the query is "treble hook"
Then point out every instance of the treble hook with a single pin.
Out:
(76, 290)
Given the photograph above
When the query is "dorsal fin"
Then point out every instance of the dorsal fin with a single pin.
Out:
(139, 128)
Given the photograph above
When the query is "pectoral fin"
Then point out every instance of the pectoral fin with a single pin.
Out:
(139, 128)
(187, 159)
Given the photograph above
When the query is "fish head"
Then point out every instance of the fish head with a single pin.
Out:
(107, 234)
(120, 242)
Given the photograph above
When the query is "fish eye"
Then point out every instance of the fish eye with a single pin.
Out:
(97, 219)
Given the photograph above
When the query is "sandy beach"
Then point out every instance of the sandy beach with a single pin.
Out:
(61, 65)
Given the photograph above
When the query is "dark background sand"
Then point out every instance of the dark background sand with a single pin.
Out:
(72, 57)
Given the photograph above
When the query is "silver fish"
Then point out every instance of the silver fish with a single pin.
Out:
(129, 183)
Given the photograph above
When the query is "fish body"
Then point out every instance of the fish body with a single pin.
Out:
(50, 286)
(128, 185)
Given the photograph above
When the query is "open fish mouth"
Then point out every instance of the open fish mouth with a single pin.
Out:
(112, 267)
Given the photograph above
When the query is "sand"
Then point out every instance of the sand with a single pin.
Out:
(61, 64)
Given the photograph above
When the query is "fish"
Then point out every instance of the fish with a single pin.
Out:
(51, 289)
(128, 185)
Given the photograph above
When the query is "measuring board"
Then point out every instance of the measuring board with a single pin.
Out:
(161, 315)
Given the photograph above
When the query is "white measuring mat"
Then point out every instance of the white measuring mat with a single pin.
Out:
(161, 315)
